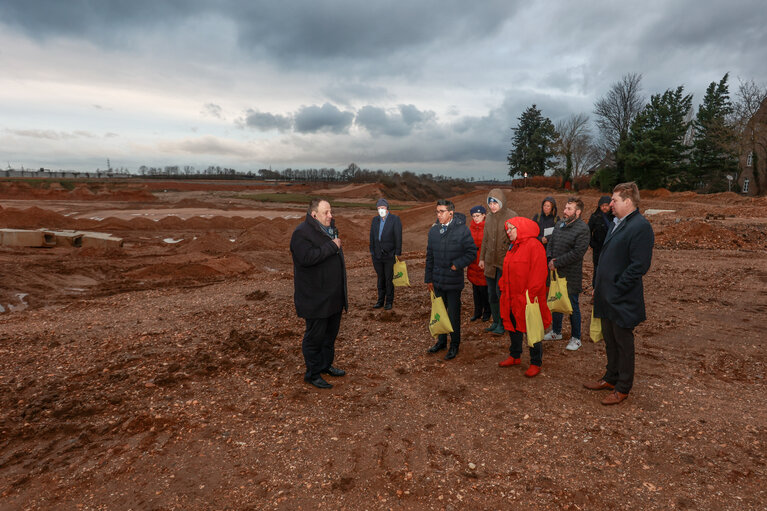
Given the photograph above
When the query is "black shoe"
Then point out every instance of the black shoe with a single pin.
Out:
(319, 383)
(437, 347)
(486, 318)
(475, 317)
(378, 305)
(334, 371)
(387, 307)
(451, 353)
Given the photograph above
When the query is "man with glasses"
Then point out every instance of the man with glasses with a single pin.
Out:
(449, 249)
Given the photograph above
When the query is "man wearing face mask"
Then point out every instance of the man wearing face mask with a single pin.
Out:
(385, 244)
(320, 296)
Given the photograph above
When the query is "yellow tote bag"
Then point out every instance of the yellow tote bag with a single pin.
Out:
(400, 273)
(533, 320)
(595, 330)
(439, 323)
(558, 299)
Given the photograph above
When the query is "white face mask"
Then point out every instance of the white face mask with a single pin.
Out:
(382, 212)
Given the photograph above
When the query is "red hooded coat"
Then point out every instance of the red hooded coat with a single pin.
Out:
(476, 274)
(524, 268)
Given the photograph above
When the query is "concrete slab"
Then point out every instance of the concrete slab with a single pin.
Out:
(27, 238)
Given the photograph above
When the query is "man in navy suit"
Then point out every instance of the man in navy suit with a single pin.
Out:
(385, 244)
(618, 292)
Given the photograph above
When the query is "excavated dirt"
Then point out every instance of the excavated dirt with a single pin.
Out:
(167, 374)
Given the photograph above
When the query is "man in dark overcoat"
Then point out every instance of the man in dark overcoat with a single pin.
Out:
(449, 249)
(618, 291)
(385, 245)
(320, 296)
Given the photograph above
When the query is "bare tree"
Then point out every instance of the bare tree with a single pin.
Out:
(575, 146)
(750, 129)
(617, 109)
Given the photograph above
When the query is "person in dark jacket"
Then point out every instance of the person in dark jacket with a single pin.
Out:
(385, 245)
(320, 295)
(618, 291)
(546, 219)
(564, 252)
(474, 273)
(449, 249)
(600, 223)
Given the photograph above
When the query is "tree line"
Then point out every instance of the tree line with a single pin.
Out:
(352, 174)
(660, 143)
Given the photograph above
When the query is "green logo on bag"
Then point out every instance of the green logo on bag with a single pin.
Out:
(398, 275)
(434, 320)
(556, 297)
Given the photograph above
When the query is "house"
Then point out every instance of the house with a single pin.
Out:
(753, 157)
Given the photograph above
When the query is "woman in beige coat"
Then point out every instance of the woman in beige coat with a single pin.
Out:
(495, 243)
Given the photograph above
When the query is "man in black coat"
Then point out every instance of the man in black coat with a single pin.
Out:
(618, 291)
(385, 244)
(449, 249)
(564, 252)
(319, 280)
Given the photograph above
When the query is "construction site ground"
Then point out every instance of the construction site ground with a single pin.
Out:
(167, 374)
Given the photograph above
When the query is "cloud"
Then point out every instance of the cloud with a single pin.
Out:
(212, 110)
(206, 145)
(264, 121)
(398, 123)
(313, 119)
(50, 134)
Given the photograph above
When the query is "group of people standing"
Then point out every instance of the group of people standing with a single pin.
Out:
(508, 259)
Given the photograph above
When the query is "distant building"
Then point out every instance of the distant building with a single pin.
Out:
(753, 157)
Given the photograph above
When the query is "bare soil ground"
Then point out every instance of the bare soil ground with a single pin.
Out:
(169, 375)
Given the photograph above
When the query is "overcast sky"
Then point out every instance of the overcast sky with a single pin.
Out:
(422, 85)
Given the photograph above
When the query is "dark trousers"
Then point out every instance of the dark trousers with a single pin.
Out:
(575, 318)
(452, 299)
(385, 272)
(595, 257)
(619, 345)
(493, 291)
(319, 344)
(515, 346)
(481, 301)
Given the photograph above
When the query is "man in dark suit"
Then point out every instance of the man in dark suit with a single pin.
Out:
(319, 281)
(618, 292)
(385, 244)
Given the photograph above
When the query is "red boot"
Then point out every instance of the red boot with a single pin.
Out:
(533, 370)
(511, 361)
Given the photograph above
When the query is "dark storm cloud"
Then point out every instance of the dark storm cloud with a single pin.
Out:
(296, 30)
(325, 118)
(396, 124)
(264, 121)
(353, 29)
(100, 20)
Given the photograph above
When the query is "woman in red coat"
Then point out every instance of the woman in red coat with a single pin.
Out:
(524, 269)
(476, 274)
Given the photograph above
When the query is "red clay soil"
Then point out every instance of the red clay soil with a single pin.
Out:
(169, 376)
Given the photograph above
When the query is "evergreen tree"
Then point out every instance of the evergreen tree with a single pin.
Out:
(532, 144)
(654, 151)
(714, 146)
